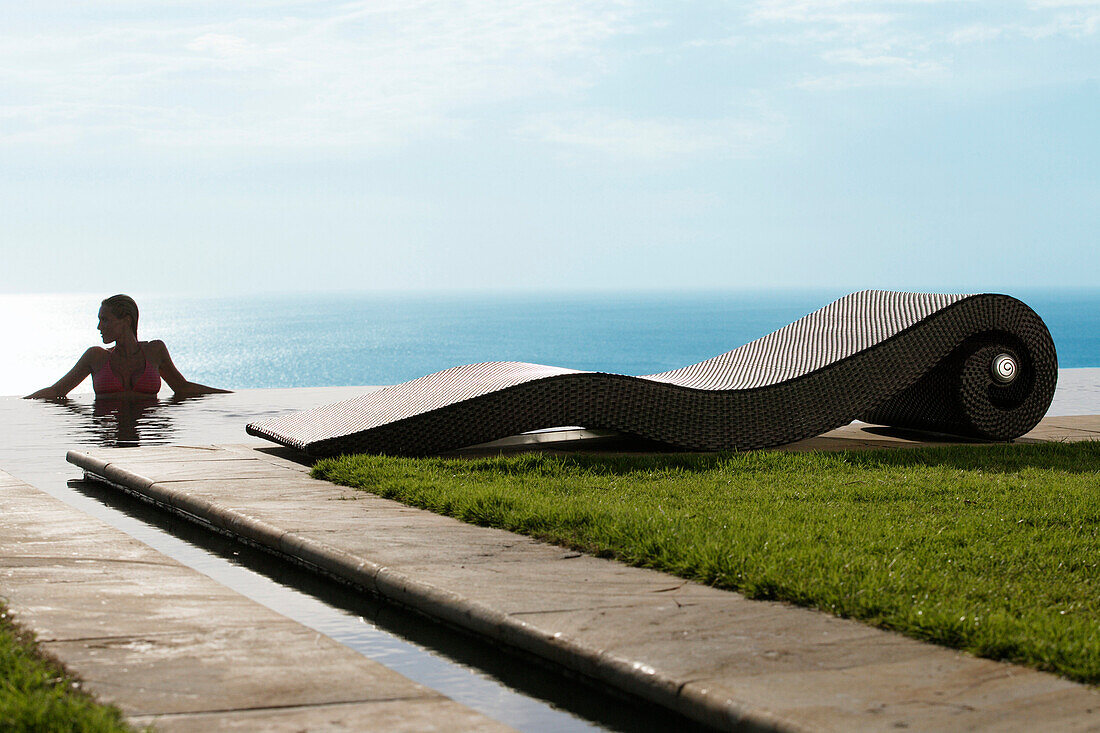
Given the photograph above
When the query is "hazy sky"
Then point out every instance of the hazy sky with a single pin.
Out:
(209, 146)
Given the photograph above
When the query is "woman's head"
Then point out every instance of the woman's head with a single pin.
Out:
(116, 312)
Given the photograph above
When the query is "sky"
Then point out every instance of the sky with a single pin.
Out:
(208, 147)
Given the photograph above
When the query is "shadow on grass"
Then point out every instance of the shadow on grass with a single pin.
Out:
(1075, 458)
(1078, 458)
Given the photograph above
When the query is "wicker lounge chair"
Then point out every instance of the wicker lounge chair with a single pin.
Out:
(976, 365)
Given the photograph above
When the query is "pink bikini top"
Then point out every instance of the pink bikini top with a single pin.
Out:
(105, 381)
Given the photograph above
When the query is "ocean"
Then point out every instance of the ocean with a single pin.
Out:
(320, 340)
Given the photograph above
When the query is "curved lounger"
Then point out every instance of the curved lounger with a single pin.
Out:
(976, 365)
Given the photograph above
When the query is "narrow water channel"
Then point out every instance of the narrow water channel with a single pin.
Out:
(514, 690)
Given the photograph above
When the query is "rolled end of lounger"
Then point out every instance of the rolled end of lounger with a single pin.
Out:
(995, 385)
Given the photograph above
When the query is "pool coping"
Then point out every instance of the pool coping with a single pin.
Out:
(449, 607)
(749, 698)
(191, 654)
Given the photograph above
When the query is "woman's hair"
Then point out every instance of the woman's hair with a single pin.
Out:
(123, 305)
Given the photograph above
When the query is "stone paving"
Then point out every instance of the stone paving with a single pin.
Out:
(709, 654)
(850, 437)
(174, 648)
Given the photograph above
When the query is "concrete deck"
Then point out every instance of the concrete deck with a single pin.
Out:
(709, 654)
(174, 648)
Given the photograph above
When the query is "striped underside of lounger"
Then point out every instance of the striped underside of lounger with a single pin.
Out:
(914, 360)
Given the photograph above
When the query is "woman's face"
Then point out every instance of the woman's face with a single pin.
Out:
(110, 326)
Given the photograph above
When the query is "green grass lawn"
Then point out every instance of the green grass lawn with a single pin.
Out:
(36, 695)
(994, 549)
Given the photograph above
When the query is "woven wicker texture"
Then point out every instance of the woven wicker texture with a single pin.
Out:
(903, 359)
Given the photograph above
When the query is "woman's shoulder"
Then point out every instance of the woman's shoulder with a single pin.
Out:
(95, 354)
(93, 358)
(155, 348)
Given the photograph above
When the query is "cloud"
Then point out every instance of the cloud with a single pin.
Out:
(860, 43)
(1080, 19)
(223, 45)
(366, 76)
(658, 138)
(1094, 4)
(856, 16)
(872, 68)
(976, 33)
(1038, 20)
(299, 73)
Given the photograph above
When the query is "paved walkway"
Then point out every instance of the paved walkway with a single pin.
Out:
(171, 647)
(707, 653)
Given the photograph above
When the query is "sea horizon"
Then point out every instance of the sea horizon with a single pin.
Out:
(318, 339)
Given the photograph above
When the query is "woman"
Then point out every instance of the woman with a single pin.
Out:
(131, 368)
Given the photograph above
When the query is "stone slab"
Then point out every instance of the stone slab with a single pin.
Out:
(710, 654)
(398, 716)
(174, 648)
(855, 436)
(861, 435)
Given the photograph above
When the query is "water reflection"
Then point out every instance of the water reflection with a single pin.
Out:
(42, 430)
(115, 423)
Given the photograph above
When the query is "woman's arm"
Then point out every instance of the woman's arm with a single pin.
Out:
(69, 382)
(170, 374)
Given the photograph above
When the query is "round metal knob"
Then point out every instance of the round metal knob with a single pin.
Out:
(1004, 368)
